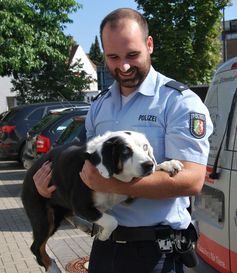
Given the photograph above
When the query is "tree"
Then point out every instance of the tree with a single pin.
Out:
(35, 50)
(32, 34)
(95, 53)
(186, 37)
(56, 81)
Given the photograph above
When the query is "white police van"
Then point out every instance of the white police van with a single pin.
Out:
(216, 207)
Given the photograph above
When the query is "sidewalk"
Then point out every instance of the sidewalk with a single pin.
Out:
(65, 246)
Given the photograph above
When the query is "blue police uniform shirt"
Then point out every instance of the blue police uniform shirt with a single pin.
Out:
(170, 120)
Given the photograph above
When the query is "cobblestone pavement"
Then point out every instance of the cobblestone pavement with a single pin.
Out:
(66, 245)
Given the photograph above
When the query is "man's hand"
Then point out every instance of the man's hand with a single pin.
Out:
(159, 185)
(42, 178)
(92, 178)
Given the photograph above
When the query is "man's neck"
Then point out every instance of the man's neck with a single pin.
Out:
(126, 91)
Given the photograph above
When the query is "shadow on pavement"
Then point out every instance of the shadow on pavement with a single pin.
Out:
(12, 175)
(10, 165)
(16, 220)
(10, 190)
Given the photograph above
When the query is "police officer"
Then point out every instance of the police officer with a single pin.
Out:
(177, 124)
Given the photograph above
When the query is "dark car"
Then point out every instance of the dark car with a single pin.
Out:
(74, 133)
(15, 123)
(41, 137)
(3, 114)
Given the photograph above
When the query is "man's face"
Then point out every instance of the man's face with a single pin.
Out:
(127, 54)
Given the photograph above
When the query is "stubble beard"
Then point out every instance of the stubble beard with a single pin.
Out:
(136, 79)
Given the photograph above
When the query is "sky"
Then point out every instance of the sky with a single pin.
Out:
(86, 21)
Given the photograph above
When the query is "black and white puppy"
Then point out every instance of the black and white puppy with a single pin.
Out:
(124, 155)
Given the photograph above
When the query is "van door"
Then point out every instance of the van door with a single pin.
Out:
(233, 197)
(215, 208)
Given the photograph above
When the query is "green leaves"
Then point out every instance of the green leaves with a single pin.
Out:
(31, 33)
(95, 53)
(54, 81)
(35, 50)
(186, 37)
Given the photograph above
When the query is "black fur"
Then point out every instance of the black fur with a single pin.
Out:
(114, 154)
(72, 196)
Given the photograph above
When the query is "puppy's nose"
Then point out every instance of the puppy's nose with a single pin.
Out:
(147, 167)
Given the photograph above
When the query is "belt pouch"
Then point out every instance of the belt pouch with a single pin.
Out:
(187, 255)
(184, 245)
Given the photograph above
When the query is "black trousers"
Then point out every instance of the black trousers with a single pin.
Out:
(138, 257)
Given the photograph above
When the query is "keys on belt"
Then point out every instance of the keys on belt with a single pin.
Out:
(166, 245)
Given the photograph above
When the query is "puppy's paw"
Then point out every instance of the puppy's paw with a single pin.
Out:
(172, 166)
(103, 235)
(107, 225)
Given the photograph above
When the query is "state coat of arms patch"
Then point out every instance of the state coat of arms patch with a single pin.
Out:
(198, 125)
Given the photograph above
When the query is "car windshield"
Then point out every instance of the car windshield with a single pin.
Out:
(45, 121)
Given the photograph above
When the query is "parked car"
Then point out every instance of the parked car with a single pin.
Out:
(41, 137)
(3, 114)
(16, 122)
(74, 133)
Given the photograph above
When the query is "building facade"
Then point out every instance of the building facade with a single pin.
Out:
(229, 39)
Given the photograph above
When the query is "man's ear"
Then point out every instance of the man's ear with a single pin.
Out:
(150, 45)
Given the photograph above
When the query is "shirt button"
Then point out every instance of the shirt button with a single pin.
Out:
(116, 122)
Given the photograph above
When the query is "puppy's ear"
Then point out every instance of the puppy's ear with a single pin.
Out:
(108, 159)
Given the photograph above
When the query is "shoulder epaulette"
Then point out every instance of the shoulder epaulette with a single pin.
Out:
(100, 94)
(177, 85)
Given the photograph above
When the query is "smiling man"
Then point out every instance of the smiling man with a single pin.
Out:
(142, 99)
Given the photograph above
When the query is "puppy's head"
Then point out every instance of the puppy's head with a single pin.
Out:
(122, 154)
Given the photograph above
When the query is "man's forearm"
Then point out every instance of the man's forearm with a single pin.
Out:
(161, 186)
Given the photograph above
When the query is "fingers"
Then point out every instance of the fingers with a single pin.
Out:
(45, 170)
(87, 171)
(42, 179)
(92, 178)
(83, 173)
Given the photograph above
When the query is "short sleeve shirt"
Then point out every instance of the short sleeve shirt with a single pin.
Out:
(176, 123)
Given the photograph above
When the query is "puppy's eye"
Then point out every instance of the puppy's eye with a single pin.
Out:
(127, 151)
(145, 147)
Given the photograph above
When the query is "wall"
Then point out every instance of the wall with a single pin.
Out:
(87, 66)
(7, 98)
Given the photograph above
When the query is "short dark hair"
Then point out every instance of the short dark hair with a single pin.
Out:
(123, 13)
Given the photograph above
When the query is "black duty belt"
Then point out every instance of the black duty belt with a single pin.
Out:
(178, 242)
(151, 233)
